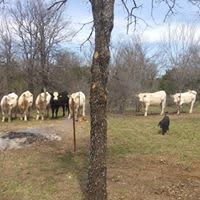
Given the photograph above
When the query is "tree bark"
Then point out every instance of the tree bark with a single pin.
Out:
(103, 14)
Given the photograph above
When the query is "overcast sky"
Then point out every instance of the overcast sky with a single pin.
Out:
(79, 12)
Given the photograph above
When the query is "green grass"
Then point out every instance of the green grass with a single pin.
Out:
(131, 134)
(47, 172)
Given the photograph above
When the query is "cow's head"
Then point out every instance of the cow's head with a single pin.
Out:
(29, 97)
(12, 99)
(141, 97)
(55, 96)
(176, 98)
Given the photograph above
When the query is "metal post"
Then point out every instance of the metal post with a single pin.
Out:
(74, 128)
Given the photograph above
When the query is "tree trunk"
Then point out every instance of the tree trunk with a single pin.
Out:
(103, 23)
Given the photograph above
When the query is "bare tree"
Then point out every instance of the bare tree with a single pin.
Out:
(180, 48)
(7, 55)
(132, 71)
(40, 31)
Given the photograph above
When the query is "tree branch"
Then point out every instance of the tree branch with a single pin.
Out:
(88, 38)
(131, 17)
(59, 4)
(170, 4)
(80, 29)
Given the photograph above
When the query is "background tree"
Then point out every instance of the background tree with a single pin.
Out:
(40, 31)
(132, 71)
(7, 57)
(181, 55)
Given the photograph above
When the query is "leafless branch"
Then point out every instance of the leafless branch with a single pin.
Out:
(83, 25)
(59, 4)
(195, 2)
(131, 17)
(169, 3)
(88, 38)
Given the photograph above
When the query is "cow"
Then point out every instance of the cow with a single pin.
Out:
(164, 124)
(188, 97)
(8, 103)
(78, 100)
(25, 102)
(155, 98)
(59, 99)
(42, 103)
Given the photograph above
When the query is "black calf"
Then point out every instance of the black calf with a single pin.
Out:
(59, 99)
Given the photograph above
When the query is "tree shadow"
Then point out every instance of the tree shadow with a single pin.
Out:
(77, 164)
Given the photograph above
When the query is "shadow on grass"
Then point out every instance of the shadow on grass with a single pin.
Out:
(77, 165)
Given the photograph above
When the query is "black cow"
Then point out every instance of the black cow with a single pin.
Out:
(59, 99)
(164, 123)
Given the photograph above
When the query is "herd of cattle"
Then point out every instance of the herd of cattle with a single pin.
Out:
(12, 103)
(159, 98)
(46, 100)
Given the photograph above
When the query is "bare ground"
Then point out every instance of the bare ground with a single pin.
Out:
(51, 171)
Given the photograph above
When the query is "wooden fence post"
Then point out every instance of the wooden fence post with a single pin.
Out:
(74, 128)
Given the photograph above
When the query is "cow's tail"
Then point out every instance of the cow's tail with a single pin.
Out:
(45, 97)
(6, 99)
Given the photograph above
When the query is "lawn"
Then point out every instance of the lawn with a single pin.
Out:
(142, 163)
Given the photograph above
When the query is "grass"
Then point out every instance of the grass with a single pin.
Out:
(50, 171)
(140, 135)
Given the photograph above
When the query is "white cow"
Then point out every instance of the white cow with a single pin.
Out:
(25, 102)
(79, 103)
(188, 97)
(8, 103)
(156, 98)
(42, 104)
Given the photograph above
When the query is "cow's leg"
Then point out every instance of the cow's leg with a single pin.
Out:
(3, 116)
(67, 108)
(9, 115)
(146, 109)
(178, 109)
(70, 113)
(52, 110)
(191, 107)
(57, 112)
(63, 107)
(162, 109)
(42, 114)
(47, 111)
(21, 114)
(25, 116)
(83, 110)
(28, 112)
(38, 115)
(76, 113)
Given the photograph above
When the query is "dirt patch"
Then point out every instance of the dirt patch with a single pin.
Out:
(24, 138)
(156, 178)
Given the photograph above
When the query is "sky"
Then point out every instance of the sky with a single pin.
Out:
(150, 29)
(79, 12)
